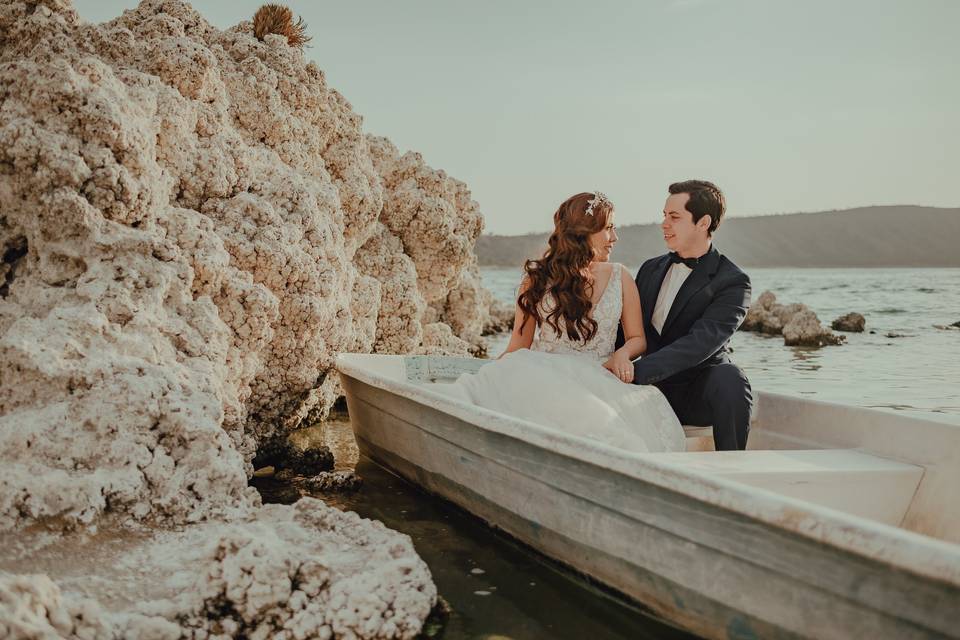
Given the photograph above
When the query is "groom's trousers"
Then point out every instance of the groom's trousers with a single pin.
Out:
(720, 396)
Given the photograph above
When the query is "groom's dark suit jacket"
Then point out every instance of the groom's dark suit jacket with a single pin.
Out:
(708, 309)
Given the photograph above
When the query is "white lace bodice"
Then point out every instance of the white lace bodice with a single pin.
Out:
(606, 312)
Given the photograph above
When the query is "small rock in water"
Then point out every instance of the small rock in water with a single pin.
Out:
(283, 455)
(797, 323)
(477, 571)
(333, 481)
(804, 329)
(437, 620)
(263, 472)
(947, 327)
(481, 593)
(851, 322)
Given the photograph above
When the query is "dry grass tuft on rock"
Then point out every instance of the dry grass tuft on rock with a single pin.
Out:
(275, 18)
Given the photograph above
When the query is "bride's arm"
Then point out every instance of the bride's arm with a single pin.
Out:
(524, 327)
(631, 319)
(635, 341)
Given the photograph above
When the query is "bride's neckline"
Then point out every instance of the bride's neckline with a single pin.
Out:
(606, 286)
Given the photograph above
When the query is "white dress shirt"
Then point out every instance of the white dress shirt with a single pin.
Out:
(676, 275)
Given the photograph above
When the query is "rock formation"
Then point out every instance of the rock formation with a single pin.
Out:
(301, 571)
(851, 322)
(193, 226)
(798, 325)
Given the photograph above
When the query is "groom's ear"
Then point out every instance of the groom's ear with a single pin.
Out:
(705, 222)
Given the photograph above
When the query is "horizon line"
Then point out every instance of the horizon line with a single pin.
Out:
(748, 216)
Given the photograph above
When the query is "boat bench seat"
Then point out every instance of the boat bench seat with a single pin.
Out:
(698, 438)
(844, 479)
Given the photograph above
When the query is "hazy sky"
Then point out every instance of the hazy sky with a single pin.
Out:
(788, 106)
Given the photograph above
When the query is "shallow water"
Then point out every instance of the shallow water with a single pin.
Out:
(915, 369)
(497, 589)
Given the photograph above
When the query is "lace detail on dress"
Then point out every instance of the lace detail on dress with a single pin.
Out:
(607, 314)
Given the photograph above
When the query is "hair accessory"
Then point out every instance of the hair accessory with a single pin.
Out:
(598, 197)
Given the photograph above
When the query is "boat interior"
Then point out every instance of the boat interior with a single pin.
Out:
(888, 468)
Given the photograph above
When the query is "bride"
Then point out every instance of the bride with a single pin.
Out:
(560, 368)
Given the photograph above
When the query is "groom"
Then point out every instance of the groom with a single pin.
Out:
(693, 300)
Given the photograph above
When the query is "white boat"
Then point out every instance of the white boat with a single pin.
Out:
(838, 522)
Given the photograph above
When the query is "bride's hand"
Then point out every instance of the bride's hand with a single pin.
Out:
(621, 366)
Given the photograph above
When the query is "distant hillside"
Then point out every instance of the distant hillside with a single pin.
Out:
(895, 236)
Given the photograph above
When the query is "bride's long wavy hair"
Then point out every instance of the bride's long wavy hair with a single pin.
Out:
(560, 270)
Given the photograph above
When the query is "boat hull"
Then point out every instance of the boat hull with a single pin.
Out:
(716, 573)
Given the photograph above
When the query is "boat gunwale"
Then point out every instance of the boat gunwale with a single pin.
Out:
(902, 549)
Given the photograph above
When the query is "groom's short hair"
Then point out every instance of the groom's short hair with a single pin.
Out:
(706, 199)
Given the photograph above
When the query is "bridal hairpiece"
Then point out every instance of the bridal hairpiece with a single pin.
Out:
(598, 198)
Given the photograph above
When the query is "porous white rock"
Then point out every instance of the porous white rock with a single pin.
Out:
(459, 308)
(306, 571)
(431, 213)
(399, 324)
(193, 226)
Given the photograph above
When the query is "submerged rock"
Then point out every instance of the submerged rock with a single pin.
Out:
(283, 455)
(797, 323)
(852, 322)
(337, 481)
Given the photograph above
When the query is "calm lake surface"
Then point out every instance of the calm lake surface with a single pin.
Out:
(907, 365)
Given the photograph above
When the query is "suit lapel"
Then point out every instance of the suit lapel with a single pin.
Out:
(698, 279)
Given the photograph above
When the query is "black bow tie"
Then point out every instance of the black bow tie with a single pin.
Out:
(690, 262)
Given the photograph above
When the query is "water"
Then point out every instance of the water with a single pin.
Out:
(917, 372)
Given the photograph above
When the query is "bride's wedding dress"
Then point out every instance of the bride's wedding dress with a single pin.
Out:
(561, 384)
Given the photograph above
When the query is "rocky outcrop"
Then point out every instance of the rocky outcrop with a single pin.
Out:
(500, 315)
(194, 225)
(431, 213)
(306, 571)
(798, 325)
(851, 322)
